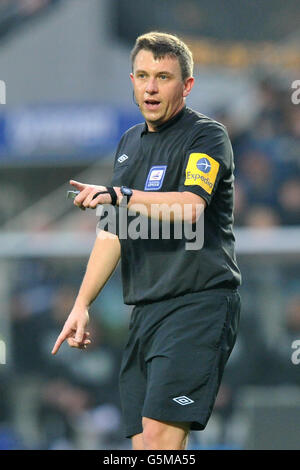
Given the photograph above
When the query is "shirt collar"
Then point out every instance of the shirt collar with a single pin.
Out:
(166, 124)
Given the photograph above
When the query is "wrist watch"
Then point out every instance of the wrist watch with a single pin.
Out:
(127, 193)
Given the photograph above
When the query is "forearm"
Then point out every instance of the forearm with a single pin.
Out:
(102, 263)
(172, 205)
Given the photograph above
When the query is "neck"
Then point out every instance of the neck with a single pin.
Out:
(152, 127)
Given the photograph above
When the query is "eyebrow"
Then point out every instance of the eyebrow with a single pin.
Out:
(158, 73)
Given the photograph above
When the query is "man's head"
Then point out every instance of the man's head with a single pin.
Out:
(162, 68)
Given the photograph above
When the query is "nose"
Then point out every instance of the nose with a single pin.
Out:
(151, 87)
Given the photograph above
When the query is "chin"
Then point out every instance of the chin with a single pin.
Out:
(151, 116)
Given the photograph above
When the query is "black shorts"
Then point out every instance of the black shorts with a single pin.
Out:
(175, 356)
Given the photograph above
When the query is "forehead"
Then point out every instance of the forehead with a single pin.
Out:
(145, 61)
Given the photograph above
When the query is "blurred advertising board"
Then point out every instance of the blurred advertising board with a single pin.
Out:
(56, 132)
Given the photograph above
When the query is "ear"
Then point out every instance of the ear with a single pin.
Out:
(132, 77)
(188, 85)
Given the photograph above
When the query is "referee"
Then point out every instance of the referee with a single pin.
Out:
(186, 301)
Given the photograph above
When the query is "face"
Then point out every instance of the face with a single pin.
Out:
(158, 87)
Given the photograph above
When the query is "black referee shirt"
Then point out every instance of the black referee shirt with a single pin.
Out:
(190, 152)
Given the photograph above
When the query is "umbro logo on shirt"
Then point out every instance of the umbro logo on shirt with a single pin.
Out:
(122, 158)
(183, 400)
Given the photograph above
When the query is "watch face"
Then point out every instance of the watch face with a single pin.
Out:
(126, 191)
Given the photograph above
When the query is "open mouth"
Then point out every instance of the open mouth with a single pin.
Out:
(152, 105)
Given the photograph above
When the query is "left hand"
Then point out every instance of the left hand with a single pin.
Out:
(85, 197)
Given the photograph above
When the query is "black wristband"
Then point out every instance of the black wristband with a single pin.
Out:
(111, 192)
(113, 195)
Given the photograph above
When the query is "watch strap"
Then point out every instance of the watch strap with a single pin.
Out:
(109, 190)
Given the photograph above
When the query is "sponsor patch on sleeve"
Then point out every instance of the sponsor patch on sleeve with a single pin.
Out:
(202, 171)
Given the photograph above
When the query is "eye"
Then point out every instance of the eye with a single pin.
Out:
(163, 76)
(141, 75)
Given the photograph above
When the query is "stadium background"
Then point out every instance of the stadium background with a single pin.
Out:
(66, 66)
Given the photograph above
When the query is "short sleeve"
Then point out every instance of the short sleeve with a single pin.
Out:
(208, 159)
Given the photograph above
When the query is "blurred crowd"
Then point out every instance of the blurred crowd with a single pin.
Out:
(71, 400)
(267, 163)
(267, 158)
(15, 13)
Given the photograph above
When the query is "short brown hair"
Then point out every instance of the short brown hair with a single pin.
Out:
(164, 44)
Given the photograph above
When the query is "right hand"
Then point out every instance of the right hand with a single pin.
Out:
(86, 198)
(74, 330)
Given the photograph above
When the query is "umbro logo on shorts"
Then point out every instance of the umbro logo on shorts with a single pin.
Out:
(122, 158)
(183, 400)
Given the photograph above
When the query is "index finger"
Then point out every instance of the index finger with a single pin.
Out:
(59, 341)
(78, 185)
